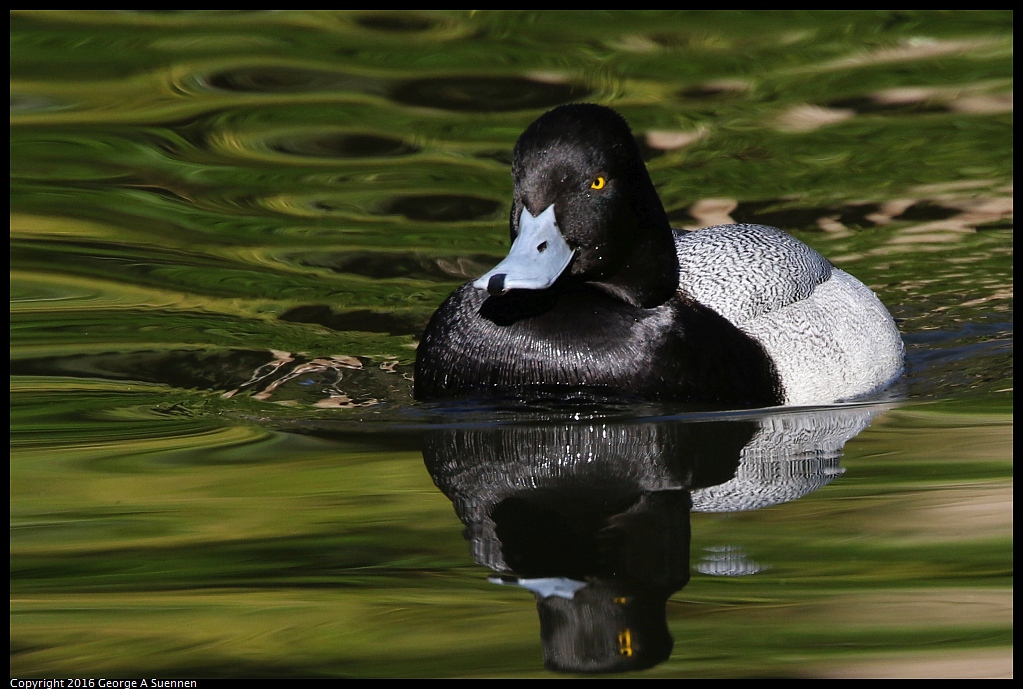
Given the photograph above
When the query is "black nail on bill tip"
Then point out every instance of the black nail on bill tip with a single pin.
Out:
(496, 284)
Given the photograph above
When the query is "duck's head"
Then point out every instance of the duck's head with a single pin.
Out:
(585, 209)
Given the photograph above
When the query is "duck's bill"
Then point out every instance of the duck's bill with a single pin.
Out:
(538, 256)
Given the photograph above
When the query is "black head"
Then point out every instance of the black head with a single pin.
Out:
(584, 160)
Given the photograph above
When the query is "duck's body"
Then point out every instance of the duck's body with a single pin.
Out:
(827, 334)
(599, 295)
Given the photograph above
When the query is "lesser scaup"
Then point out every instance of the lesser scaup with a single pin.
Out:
(599, 294)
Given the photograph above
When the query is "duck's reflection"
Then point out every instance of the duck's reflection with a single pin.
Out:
(593, 518)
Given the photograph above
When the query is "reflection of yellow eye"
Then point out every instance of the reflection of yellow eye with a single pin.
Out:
(625, 643)
(598, 183)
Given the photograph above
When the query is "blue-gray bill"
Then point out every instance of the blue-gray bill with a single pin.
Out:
(537, 258)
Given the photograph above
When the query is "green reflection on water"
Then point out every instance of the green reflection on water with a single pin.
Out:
(200, 552)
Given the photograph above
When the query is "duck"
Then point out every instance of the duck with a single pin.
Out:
(599, 296)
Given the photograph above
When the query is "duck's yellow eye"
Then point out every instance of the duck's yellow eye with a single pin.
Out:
(598, 183)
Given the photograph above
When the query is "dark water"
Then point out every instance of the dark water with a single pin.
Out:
(229, 228)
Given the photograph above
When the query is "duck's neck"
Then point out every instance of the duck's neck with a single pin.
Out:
(648, 277)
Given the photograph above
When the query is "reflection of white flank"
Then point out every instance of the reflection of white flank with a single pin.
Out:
(727, 561)
(791, 455)
(545, 587)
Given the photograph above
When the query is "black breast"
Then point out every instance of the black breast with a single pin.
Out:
(576, 338)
